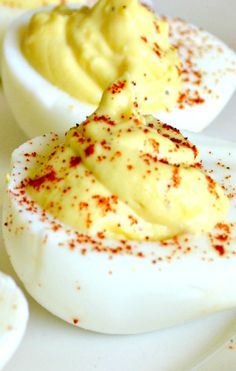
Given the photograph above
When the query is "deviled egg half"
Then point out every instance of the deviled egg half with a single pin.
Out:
(13, 317)
(117, 227)
(10, 10)
(56, 65)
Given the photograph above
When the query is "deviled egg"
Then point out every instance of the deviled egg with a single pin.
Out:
(10, 10)
(54, 81)
(116, 227)
(13, 318)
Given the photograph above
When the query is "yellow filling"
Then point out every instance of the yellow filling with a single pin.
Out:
(127, 176)
(83, 51)
(30, 4)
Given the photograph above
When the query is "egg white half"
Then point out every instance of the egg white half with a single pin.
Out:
(39, 107)
(121, 287)
(13, 318)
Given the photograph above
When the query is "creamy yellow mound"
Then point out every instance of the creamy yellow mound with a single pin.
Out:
(83, 51)
(30, 4)
(127, 176)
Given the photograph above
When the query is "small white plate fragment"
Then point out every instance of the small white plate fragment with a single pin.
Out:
(13, 318)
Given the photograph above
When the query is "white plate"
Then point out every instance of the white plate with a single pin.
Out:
(51, 344)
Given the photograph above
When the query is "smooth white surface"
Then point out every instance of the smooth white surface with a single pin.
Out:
(217, 360)
(52, 345)
(13, 317)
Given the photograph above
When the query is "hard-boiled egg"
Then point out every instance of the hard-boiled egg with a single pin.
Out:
(208, 81)
(114, 286)
(13, 318)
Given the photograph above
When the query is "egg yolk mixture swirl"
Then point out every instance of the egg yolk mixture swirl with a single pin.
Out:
(83, 51)
(127, 176)
(30, 4)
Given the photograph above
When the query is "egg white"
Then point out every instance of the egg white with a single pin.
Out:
(13, 318)
(39, 107)
(115, 286)
(7, 15)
